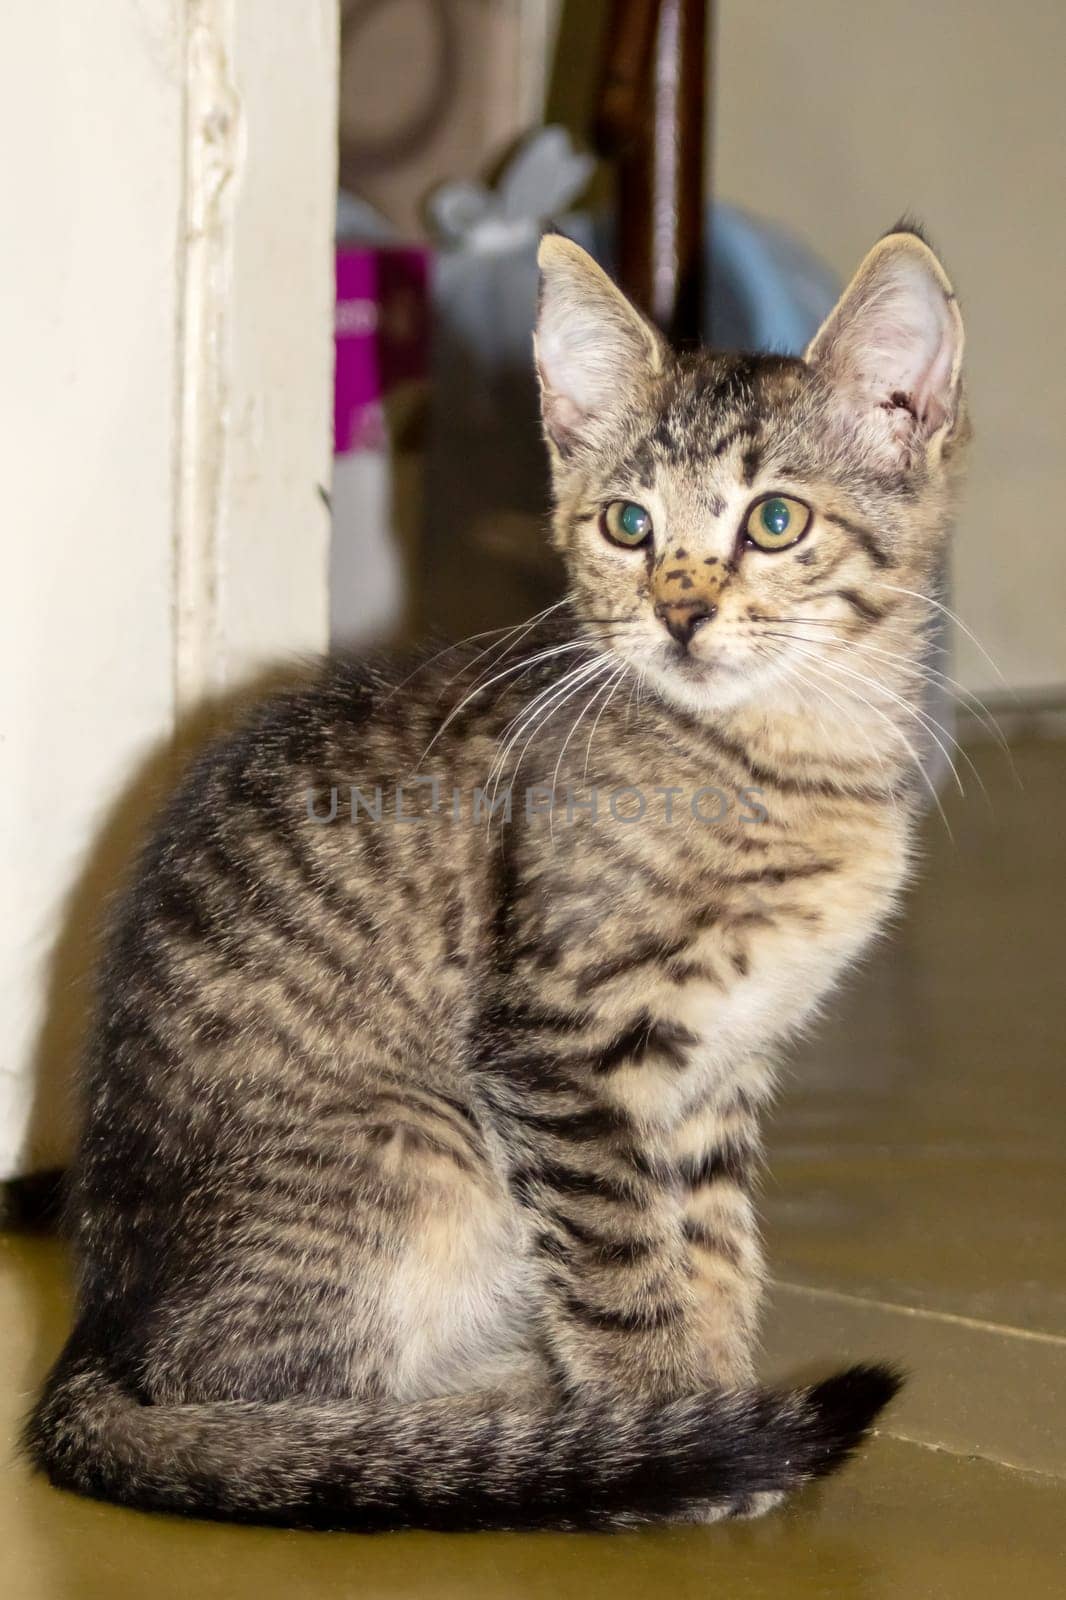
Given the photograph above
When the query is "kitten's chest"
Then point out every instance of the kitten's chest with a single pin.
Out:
(774, 936)
(702, 949)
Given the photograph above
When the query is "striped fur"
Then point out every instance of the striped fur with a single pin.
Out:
(418, 1176)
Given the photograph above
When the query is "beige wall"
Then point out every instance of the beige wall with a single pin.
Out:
(835, 116)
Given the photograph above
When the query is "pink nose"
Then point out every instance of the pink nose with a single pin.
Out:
(681, 618)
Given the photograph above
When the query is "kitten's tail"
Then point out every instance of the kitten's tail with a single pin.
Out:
(485, 1460)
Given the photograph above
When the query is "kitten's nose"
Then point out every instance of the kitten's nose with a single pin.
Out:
(681, 618)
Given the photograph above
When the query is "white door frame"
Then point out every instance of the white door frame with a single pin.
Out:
(166, 316)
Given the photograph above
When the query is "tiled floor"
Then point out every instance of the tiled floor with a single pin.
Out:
(915, 1210)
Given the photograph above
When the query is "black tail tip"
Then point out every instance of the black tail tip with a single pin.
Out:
(846, 1405)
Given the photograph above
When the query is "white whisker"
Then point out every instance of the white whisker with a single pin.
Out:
(952, 617)
(520, 666)
(929, 674)
(543, 705)
(932, 726)
(502, 647)
(790, 670)
(450, 649)
(611, 685)
(607, 667)
(902, 737)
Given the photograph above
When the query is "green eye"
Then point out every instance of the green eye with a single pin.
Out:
(777, 522)
(626, 523)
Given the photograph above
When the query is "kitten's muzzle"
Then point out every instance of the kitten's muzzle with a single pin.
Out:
(681, 618)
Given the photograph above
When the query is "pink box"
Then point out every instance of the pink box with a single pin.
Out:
(381, 336)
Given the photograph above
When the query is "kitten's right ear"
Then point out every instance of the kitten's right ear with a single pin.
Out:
(594, 350)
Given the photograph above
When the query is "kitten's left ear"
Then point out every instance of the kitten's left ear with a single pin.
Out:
(891, 351)
(595, 352)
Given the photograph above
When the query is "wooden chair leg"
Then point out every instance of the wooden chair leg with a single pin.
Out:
(651, 124)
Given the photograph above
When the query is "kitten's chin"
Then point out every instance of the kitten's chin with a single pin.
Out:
(703, 688)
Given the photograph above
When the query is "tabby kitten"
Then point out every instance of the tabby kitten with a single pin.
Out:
(416, 1181)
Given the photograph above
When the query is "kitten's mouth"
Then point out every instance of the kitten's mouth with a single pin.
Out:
(680, 659)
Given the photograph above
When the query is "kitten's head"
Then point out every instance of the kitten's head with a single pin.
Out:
(732, 524)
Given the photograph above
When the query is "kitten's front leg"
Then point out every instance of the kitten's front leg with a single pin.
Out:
(651, 1267)
(618, 1309)
(716, 1150)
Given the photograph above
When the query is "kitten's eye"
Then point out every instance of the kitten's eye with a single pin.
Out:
(776, 522)
(626, 523)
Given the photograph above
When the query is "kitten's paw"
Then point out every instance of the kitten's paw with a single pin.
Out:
(744, 1509)
(757, 1505)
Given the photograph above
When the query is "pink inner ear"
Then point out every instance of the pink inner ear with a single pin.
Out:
(893, 346)
(562, 417)
(934, 396)
(912, 330)
(595, 353)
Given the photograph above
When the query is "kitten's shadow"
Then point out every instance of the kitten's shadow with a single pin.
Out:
(33, 1202)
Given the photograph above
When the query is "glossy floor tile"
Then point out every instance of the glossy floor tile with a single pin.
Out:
(918, 1150)
(915, 1211)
